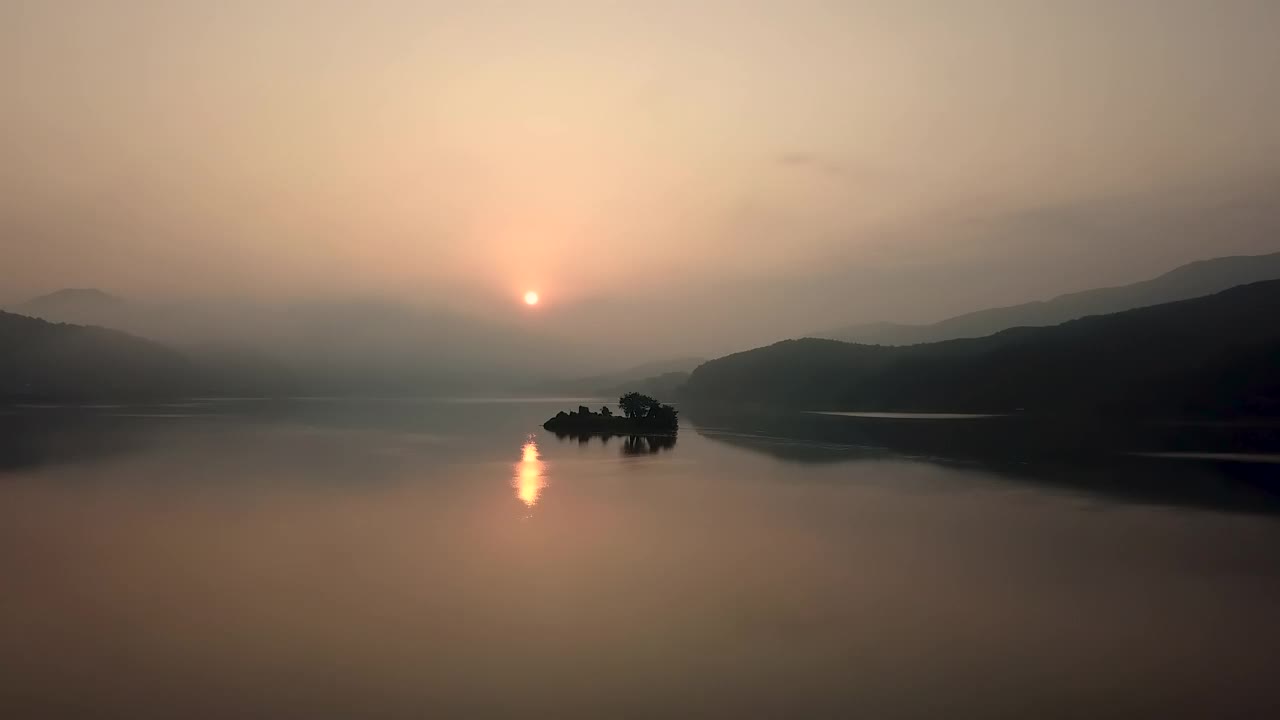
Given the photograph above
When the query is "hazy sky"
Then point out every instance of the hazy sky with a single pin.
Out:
(731, 165)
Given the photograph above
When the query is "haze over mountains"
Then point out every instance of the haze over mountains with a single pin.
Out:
(1023, 358)
(1217, 355)
(682, 181)
(347, 346)
(43, 360)
(1188, 281)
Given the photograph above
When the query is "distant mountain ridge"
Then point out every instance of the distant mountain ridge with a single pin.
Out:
(355, 347)
(41, 361)
(79, 306)
(79, 298)
(337, 346)
(1196, 279)
(1216, 355)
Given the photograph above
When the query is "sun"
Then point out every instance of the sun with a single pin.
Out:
(531, 298)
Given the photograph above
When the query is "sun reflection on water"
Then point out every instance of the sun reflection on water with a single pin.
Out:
(531, 474)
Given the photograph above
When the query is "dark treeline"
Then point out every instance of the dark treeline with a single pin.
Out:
(1217, 355)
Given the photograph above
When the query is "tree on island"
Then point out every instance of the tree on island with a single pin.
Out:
(643, 408)
(640, 414)
(636, 406)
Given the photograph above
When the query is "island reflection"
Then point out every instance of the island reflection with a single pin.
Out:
(631, 444)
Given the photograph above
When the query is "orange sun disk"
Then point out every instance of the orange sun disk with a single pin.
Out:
(531, 298)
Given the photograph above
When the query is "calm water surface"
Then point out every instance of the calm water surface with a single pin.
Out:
(326, 559)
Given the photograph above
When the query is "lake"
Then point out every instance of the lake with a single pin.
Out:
(380, 559)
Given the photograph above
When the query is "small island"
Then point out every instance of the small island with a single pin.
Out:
(641, 415)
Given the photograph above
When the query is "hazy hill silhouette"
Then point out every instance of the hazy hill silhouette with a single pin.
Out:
(1193, 280)
(40, 360)
(357, 347)
(338, 346)
(1216, 355)
(82, 306)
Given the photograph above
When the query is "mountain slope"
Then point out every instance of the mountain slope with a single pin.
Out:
(40, 360)
(81, 306)
(338, 346)
(1217, 354)
(1188, 281)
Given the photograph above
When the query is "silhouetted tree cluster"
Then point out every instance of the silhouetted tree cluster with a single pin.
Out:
(635, 406)
(643, 408)
(640, 414)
